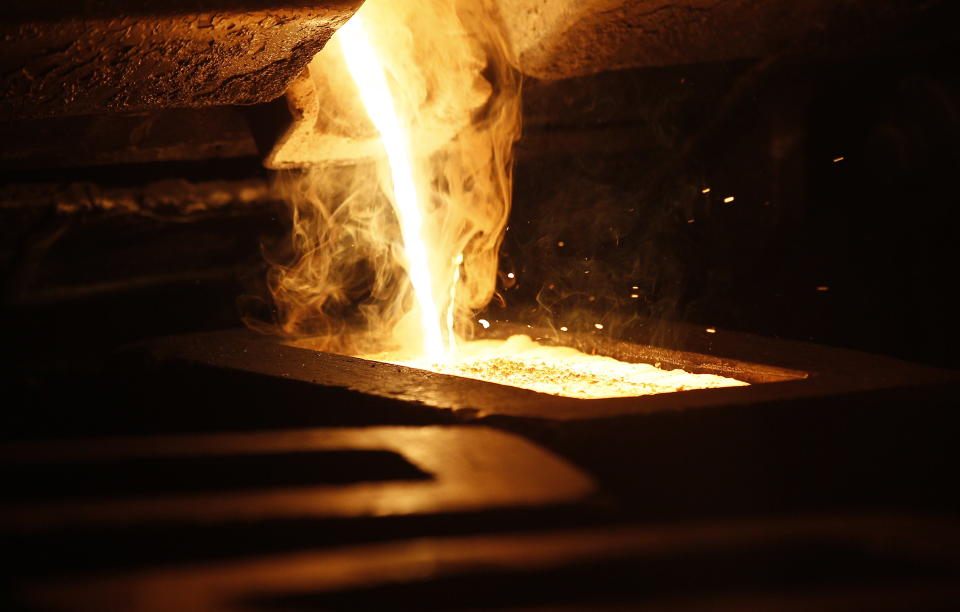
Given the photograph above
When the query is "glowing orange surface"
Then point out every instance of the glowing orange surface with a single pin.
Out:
(521, 362)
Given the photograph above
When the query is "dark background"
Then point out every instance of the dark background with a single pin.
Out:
(859, 252)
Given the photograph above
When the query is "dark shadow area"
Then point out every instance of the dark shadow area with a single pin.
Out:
(778, 569)
(125, 477)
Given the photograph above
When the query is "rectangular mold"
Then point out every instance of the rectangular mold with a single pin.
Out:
(777, 369)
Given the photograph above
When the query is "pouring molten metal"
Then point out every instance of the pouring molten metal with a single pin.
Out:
(448, 202)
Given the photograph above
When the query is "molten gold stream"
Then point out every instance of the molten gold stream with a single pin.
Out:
(371, 82)
(449, 235)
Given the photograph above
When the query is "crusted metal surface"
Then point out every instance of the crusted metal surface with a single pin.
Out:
(117, 56)
(96, 140)
(554, 39)
(169, 198)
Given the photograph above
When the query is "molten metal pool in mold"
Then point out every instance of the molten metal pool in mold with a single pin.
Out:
(776, 370)
(520, 361)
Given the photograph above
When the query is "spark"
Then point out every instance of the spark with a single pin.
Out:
(837, 160)
(484, 323)
(823, 288)
(511, 275)
(564, 328)
(711, 330)
(634, 295)
(705, 190)
(728, 199)
(561, 243)
(598, 325)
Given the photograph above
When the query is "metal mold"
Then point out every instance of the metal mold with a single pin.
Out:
(138, 477)
(470, 469)
(823, 428)
(833, 562)
(783, 370)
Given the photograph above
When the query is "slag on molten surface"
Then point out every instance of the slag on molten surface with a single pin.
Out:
(519, 361)
(449, 199)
